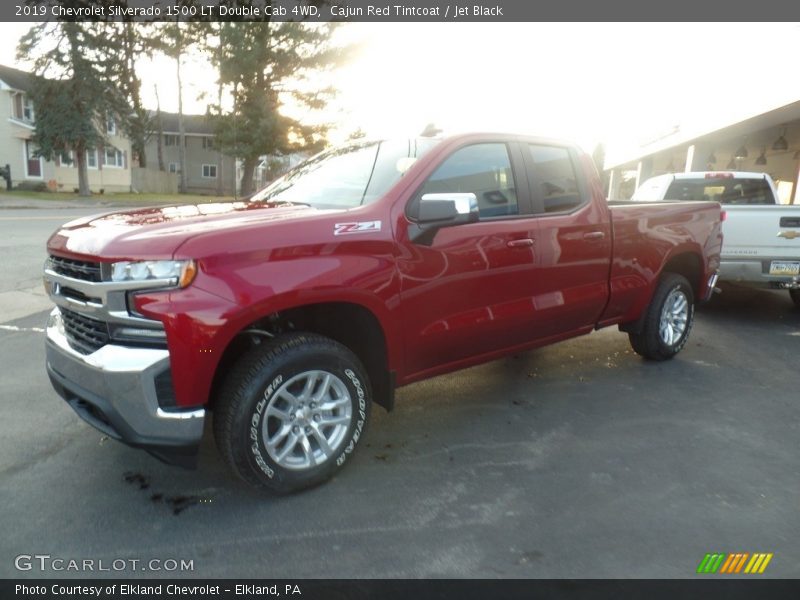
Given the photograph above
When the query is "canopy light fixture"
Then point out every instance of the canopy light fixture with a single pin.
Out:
(781, 143)
(431, 130)
(762, 158)
(712, 158)
(741, 152)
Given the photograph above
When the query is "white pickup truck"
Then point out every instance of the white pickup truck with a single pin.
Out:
(761, 246)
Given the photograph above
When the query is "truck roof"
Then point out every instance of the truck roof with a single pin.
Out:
(714, 175)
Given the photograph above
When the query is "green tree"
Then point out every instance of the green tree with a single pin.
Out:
(132, 41)
(176, 40)
(71, 93)
(264, 65)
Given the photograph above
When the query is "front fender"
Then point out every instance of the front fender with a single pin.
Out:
(202, 320)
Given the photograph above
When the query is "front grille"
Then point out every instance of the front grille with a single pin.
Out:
(68, 292)
(84, 334)
(76, 269)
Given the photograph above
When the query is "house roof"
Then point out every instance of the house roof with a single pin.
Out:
(14, 78)
(192, 124)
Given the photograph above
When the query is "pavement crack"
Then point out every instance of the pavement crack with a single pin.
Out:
(49, 452)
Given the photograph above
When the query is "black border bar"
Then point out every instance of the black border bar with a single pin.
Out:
(399, 589)
(411, 11)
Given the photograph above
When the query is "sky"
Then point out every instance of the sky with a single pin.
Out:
(612, 83)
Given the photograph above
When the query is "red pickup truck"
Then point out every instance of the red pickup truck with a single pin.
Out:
(368, 267)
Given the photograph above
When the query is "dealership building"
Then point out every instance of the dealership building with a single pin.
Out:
(765, 141)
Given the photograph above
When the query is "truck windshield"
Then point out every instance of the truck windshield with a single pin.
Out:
(347, 176)
(722, 190)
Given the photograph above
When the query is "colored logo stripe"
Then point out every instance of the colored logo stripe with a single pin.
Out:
(758, 563)
(734, 562)
(710, 563)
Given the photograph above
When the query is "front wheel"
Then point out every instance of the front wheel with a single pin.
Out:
(795, 295)
(292, 411)
(667, 321)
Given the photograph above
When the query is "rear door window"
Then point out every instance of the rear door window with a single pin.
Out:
(554, 180)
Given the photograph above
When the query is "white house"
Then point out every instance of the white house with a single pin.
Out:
(109, 166)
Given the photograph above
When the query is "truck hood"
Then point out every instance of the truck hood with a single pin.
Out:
(157, 232)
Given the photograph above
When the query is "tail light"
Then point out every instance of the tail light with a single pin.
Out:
(723, 215)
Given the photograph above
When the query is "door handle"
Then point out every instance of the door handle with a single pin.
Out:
(594, 235)
(523, 243)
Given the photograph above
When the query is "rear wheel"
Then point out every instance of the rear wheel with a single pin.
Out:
(795, 294)
(292, 411)
(667, 320)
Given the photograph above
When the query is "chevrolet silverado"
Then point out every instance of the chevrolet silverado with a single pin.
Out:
(368, 267)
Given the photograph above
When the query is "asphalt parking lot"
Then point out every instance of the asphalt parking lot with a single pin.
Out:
(575, 460)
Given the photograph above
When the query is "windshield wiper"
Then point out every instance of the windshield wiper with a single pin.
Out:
(290, 202)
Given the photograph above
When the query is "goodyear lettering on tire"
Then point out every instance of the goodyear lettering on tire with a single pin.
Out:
(362, 417)
(255, 421)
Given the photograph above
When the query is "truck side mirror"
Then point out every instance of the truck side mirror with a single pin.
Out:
(445, 210)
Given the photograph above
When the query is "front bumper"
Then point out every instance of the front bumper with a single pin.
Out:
(114, 390)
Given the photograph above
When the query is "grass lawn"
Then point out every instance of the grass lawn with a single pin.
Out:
(122, 198)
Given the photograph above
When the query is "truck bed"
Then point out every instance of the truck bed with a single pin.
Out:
(644, 234)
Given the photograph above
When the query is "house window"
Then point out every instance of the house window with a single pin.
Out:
(27, 109)
(208, 143)
(111, 126)
(173, 168)
(114, 158)
(68, 158)
(210, 171)
(170, 140)
(33, 164)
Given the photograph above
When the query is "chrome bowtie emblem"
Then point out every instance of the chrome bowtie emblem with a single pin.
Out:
(789, 235)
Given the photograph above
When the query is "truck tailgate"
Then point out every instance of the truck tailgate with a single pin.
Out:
(768, 232)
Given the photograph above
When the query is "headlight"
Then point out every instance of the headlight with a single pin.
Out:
(180, 272)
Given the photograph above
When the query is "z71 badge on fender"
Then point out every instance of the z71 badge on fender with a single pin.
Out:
(356, 227)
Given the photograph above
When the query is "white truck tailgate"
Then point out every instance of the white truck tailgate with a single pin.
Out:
(761, 238)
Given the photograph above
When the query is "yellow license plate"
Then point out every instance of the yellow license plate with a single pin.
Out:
(784, 268)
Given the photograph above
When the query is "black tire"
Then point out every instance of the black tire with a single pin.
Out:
(795, 295)
(262, 383)
(650, 343)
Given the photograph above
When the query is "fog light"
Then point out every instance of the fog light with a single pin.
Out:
(141, 332)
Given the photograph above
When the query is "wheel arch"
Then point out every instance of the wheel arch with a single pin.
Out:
(686, 263)
(690, 265)
(351, 324)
